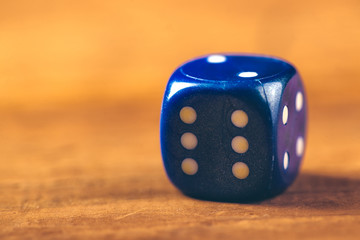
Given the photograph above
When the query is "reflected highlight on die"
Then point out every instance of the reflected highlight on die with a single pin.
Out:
(248, 74)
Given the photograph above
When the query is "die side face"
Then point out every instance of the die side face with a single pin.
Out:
(215, 145)
(222, 137)
(291, 130)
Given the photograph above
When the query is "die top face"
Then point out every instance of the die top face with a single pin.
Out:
(234, 68)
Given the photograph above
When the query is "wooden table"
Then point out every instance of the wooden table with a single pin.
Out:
(80, 90)
(95, 172)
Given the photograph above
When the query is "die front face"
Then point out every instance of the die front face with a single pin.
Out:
(218, 131)
(210, 140)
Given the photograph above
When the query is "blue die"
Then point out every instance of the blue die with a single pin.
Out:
(233, 127)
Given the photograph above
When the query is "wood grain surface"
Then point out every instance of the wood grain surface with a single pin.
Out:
(81, 84)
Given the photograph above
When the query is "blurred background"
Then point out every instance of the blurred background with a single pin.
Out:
(65, 52)
(81, 85)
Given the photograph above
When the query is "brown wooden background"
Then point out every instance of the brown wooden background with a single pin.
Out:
(81, 84)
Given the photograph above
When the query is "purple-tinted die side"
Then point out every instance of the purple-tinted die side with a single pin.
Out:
(287, 99)
(291, 129)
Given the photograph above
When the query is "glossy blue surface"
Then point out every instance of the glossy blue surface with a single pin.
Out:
(214, 87)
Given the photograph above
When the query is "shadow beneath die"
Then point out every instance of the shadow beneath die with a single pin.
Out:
(320, 192)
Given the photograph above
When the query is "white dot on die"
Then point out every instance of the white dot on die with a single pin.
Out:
(189, 141)
(247, 74)
(189, 166)
(300, 146)
(216, 59)
(188, 115)
(286, 160)
(239, 144)
(299, 101)
(240, 170)
(285, 115)
(239, 118)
